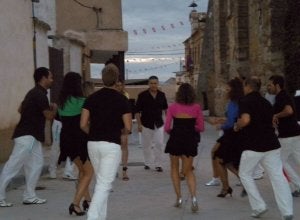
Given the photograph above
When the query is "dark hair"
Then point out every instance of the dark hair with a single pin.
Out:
(254, 82)
(153, 77)
(185, 94)
(39, 73)
(71, 87)
(236, 89)
(110, 75)
(277, 79)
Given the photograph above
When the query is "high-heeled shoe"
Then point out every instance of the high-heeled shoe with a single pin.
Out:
(85, 205)
(224, 192)
(125, 177)
(72, 209)
(178, 203)
(194, 206)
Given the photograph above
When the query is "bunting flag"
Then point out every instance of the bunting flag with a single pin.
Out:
(146, 69)
(152, 29)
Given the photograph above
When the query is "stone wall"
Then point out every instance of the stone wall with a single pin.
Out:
(291, 45)
(249, 37)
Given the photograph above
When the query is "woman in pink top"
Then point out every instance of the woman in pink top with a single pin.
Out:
(184, 121)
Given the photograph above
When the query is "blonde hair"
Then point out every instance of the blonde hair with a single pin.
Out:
(110, 75)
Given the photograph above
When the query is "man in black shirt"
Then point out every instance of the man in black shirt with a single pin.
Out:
(149, 108)
(260, 145)
(285, 120)
(28, 135)
(105, 113)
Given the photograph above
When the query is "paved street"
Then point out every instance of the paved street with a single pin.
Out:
(148, 195)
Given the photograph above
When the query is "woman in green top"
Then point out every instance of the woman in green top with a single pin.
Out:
(73, 142)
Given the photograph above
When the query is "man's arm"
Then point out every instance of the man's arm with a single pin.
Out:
(50, 113)
(139, 122)
(84, 120)
(242, 122)
(286, 112)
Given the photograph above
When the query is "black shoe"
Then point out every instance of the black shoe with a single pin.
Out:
(85, 205)
(72, 209)
(243, 193)
(146, 167)
(158, 169)
(296, 193)
(225, 192)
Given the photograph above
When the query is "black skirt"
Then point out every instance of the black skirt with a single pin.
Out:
(73, 141)
(229, 150)
(183, 138)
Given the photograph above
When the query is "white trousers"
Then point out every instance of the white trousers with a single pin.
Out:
(105, 158)
(27, 153)
(152, 142)
(290, 149)
(54, 151)
(273, 166)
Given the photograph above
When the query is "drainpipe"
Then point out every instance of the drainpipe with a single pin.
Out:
(34, 33)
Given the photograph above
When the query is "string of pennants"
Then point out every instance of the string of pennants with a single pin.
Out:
(157, 48)
(145, 69)
(140, 60)
(155, 29)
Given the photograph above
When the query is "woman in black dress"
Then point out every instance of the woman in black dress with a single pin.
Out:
(184, 121)
(228, 154)
(73, 141)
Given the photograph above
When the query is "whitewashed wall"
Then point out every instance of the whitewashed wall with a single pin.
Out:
(16, 58)
(45, 11)
(75, 58)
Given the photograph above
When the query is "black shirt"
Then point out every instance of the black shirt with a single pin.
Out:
(259, 135)
(106, 107)
(287, 126)
(32, 120)
(151, 108)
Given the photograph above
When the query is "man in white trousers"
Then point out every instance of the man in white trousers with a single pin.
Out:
(28, 136)
(54, 154)
(285, 119)
(104, 115)
(150, 106)
(260, 145)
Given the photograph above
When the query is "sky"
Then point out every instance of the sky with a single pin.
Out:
(156, 31)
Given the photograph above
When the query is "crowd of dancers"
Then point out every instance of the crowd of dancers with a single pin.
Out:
(91, 131)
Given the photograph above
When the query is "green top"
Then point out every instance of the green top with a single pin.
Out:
(72, 106)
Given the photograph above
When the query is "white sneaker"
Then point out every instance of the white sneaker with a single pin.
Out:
(3, 203)
(213, 182)
(52, 175)
(258, 213)
(34, 201)
(69, 177)
(258, 176)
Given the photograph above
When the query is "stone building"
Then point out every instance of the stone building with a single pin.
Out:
(193, 47)
(248, 37)
(62, 35)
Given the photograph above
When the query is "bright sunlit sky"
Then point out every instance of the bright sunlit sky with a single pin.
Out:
(156, 30)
